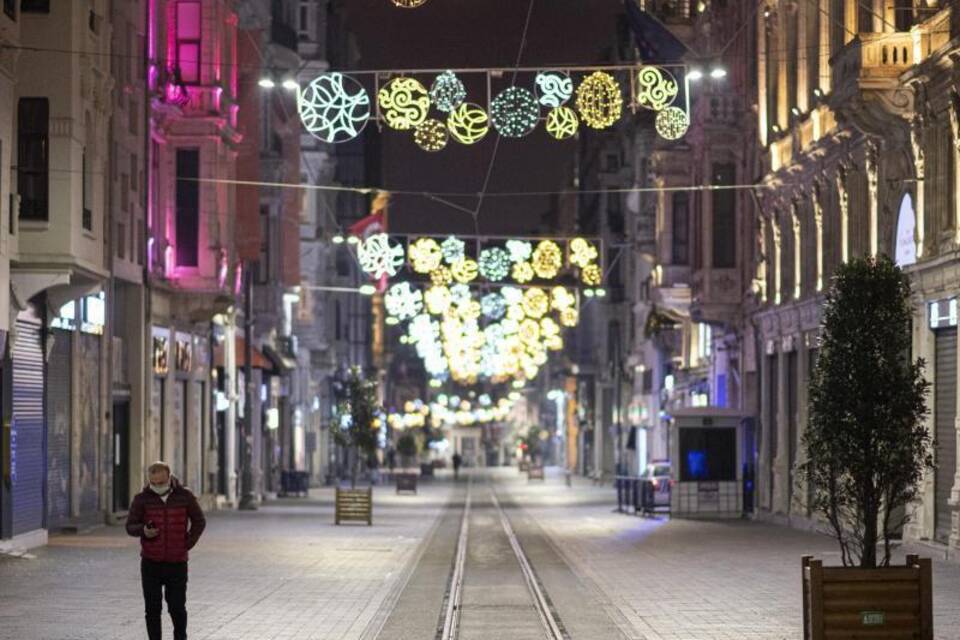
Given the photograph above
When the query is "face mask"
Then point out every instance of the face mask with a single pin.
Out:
(160, 489)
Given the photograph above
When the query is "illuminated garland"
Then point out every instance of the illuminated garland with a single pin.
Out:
(494, 264)
(447, 92)
(334, 108)
(468, 123)
(402, 302)
(672, 123)
(656, 88)
(409, 4)
(515, 112)
(562, 123)
(431, 135)
(378, 257)
(554, 88)
(599, 100)
(424, 255)
(404, 103)
(582, 253)
(465, 270)
(547, 259)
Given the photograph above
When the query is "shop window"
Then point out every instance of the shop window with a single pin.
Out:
(188, 41)
(33, 157)
(188, 207)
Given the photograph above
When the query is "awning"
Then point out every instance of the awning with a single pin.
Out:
(259, 361)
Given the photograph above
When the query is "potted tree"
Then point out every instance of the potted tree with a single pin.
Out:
(867, 449)
(356, 418)
(407, 448)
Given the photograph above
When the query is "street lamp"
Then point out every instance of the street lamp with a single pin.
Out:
(290, 84)
(267, 83)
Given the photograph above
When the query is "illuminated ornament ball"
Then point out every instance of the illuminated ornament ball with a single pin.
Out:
(562, 123)
(409, 4)
(424, 254)
(494, 264)
(453, 249)
(334, 108)
(403, 302)
(547, 259)
(460, 294)
(379, 257)
(468, 123)
(561, 298)
(441, 276)
(404, 103)
(672, 123)
(437, 299)
(431, 135)
(569, 317)
(591, 275)
(599, 100)
(554, 88)
(656, 88)
(447, 92)
(520, 250)
(465, 270)
(582, 252)
(522, 272)
(514, 112)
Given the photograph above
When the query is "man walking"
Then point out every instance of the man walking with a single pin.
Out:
(168, 520)
(457, 461)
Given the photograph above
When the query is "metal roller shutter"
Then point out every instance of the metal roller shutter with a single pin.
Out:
(59, 426)
(90, 426)
(28, 462)
(945, 411)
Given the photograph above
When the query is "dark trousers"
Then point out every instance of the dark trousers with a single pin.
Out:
(167, 579)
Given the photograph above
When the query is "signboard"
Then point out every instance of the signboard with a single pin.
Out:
(160, 363)
(708, 494)
(873, 618)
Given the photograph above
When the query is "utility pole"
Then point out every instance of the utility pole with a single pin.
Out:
(248, 499)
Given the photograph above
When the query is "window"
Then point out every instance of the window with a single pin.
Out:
(263, 261)
(708, 454)
(188, 41)
(864, 18)
(772, 79)
(813, 52)
(33, 157)
(838, 31)
(134, 170)
(792, 37)
(681, 228)
(121, 240)
(188, 207)
(124, 192)
(903, 14)
(10, 8)
(724, 218)
(35, 6)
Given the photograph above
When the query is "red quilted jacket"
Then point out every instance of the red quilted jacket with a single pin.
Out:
(171, 518)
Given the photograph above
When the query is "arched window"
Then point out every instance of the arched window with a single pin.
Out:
(905, 250)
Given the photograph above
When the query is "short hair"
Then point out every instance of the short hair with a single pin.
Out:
(159, 464)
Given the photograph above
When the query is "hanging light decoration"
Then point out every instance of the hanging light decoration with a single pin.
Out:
(536, 303)
(468, 123)
(409, 4)
(378, 257)
(402, 302)
(447, 92)
(599, 100)
(569, 317)
(520, 250)
(441, 276)
(453, 249)
(547, 259)
(591, 275)
(404, 103)
(554, 88)
(334, 108)
(522, 272)
(493, 305)
(561, 298)
(672, 123)
(424, 255)
(656, 88)
(494, 264)
(431, 135)
(437, 299)
(562, 123)
(514, 112)
(465, 270)
(460, 294)
(582, 252)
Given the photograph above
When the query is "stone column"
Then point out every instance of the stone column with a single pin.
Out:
(797, 249)
(817, 198)
(803, 380)
(871, 161)
(804, 54)
(921, 525)
(763, 118)
(955, 127)
(230, 386)
(843, 198)
(762, 259)
(781, 460)
(825, 69)
(777, 259)
(764, 490)
(919, 164)
(850, 19)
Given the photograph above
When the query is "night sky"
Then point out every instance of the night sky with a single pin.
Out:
(470, 34)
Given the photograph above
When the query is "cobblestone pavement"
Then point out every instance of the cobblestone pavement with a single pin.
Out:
(280, 573)
(286, 572)
(693, 580)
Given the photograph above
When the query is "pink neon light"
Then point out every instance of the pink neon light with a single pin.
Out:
(238, 279)
(169, 266)
(150, 243)
(224, 268)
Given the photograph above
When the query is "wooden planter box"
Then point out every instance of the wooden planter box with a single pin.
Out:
(535, 473)
(406, 482)
(847, 603)
(354, 505)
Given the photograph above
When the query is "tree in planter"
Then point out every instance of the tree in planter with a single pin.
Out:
(408, 448)
(356, 414)
(866, 442)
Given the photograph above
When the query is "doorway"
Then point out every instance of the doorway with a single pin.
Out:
(121, 458)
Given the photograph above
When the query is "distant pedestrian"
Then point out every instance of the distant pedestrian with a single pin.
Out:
(457, 461)
(168, 520)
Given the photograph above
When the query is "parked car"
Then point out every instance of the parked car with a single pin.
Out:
(659, 474)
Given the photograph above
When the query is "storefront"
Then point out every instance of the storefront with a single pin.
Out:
(943, 324)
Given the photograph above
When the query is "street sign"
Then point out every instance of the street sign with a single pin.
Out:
(872, 618)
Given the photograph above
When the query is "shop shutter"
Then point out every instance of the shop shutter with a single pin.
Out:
(945, 411)
(59, 427)
(90, 425)
(28, 468)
